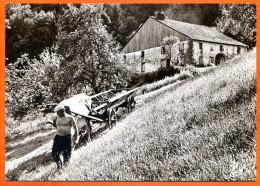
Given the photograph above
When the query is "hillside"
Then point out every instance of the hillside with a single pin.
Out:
(202, 129)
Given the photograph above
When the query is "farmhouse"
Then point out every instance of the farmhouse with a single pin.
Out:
(199, 45)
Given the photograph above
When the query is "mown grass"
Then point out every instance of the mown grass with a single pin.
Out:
(203, 130)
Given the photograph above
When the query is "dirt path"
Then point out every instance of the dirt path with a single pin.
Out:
(34, 151)
(19, 149)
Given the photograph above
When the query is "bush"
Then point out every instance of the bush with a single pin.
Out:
(150, 77)
(28, 83)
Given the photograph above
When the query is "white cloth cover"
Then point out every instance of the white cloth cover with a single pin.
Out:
(78, 103)
(59, 107)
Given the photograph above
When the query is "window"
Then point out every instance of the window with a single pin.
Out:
(221, 48)
(168, 63)
(181, 46)
(201, 60)
(238, 50)
(142, 53)
(200, 45)
(162, 63)
(163, 50)
(211, 60)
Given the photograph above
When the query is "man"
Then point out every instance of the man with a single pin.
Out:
(62, 141)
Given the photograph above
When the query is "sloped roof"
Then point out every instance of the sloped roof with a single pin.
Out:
(199, 32)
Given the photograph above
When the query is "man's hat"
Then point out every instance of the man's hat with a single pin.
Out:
(59, 107)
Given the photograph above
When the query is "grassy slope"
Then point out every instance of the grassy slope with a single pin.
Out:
(204, 129)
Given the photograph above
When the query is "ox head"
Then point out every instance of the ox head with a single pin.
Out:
(49, 113)
(48, 108)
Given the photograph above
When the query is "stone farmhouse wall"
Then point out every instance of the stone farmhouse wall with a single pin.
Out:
(206, 54)
(199, 53)
(154, 58)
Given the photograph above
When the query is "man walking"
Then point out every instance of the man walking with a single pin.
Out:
(62, 141)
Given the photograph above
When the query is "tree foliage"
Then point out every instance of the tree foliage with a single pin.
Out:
(239, 22)
(88, 49)
(84, 59)
(28, 82)
(168, 42)
(126, 18)
(27, 31)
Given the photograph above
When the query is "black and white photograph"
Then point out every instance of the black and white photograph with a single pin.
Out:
(130, 92)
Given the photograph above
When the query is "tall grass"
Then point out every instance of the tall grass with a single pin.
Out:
(185, 73)
(203, 130)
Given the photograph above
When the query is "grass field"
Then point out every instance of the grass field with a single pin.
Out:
(201, 130)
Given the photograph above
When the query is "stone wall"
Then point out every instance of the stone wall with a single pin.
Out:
(154, 59)
(208, 53)
(150, 61)
(184, 53)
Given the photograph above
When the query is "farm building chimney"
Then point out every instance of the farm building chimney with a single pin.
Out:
(160, 16)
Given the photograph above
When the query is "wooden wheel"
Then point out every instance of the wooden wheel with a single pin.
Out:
(132, 103)
(112, 118)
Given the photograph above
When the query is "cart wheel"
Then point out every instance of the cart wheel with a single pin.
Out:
(132, 103)
(112, 118)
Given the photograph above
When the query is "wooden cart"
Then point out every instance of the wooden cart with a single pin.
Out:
(104, 108)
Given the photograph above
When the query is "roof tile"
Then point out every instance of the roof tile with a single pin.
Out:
(199, 32)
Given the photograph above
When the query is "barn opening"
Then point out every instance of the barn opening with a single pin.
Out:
(220, 58)
(142, 54)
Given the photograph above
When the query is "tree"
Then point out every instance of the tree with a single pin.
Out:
(84, 59)
(239, 22)
(126, 18)
(168, 43)
(88, 49)
(27, 31)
